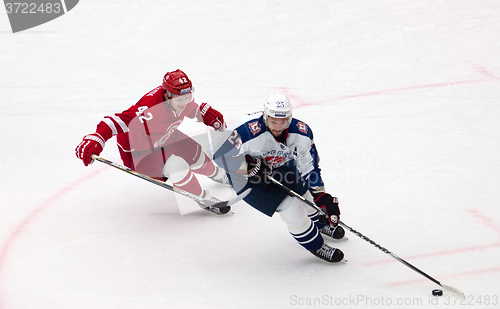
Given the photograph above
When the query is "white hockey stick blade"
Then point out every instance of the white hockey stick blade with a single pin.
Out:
(454, 290)
(233, 200)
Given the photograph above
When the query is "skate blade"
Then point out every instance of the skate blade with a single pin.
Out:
(338, 240)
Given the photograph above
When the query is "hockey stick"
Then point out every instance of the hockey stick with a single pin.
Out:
(295, 194)
(172, 188)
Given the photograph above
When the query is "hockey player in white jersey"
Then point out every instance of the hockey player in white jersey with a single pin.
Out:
(274, 143)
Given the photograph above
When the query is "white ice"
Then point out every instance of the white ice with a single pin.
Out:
(404, 101)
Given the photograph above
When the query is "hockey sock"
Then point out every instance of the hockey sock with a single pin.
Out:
(204, 166)
(189, 184)
(181, 175)
(310, 239)
(299, 225)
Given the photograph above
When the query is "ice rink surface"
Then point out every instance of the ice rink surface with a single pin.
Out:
(404, 101)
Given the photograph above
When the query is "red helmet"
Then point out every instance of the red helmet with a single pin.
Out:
(176, 83)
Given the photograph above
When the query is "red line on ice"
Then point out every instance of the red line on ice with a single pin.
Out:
(465, 273)
(299, 102)
(21, 227)
(486, 221)
(439, 253)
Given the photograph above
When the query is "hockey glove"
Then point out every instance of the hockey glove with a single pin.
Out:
(330, 205)
(257, 170)
(212, 117)
(91, 144)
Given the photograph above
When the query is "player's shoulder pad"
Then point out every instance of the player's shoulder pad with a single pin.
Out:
(252, 126)
(155, 92)
(300, 127)
(151, 98)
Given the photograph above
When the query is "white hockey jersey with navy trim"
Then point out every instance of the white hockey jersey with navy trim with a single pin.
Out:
(251, 137)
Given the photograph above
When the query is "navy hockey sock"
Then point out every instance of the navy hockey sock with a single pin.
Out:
(315, 218)
(310, 239)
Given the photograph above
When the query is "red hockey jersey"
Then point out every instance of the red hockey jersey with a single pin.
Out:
(146, 125)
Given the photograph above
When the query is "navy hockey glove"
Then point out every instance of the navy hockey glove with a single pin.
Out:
(330, 205)
(257, 170)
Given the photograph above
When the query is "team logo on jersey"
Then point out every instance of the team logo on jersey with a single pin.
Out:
(302, 127)
(254, 127)
(170, 130)
(274, 161)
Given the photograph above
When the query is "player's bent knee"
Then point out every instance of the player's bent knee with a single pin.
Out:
(293, 214)
(175, 168)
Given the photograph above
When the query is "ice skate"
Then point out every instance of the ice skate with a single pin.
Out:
(220, 176)
(220, 210)
(336, 232)
(329, 254)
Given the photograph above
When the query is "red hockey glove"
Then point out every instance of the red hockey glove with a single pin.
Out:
(330, 206)
(91, 144)
(212, 117)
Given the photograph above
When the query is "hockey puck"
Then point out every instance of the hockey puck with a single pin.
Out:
(437, 292)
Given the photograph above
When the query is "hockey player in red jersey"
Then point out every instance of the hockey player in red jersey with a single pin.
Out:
(148, 139)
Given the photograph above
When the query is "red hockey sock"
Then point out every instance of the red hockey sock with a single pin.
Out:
(206, 168)
(189, 184)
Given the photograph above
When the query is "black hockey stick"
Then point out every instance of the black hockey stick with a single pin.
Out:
(295, 194)
(162, 184)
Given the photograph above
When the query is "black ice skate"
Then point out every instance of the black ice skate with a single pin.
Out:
(222, 210)
(220, 176)
(336, 232)
(329, 254)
